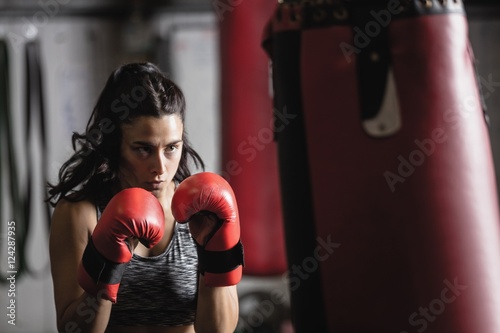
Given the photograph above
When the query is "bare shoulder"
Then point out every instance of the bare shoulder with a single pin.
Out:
(74, 208)
(74, 220)
(72, 225)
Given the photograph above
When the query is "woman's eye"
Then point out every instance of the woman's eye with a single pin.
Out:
(172, 148)
(143, 150)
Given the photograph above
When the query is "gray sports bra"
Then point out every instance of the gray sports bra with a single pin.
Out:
(160, 290)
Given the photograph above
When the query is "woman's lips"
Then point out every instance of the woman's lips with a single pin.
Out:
(155, 185)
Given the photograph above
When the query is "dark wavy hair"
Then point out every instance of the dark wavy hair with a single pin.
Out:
(132, 90)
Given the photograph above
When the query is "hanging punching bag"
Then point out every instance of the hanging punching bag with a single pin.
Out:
(390, 160)
(248, 150)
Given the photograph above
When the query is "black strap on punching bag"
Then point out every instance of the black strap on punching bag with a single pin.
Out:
(307, 309)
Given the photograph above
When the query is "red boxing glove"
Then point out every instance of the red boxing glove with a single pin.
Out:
(133, 212)
(207, 201)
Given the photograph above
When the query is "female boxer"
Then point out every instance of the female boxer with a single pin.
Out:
(120, 261)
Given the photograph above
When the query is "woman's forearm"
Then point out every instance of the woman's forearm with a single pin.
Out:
(217, 309)
(87, 314)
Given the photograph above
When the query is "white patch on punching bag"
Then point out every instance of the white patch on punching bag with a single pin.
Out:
(388, 119)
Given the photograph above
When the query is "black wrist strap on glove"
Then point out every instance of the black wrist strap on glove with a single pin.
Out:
(220, 261)
(100, 269)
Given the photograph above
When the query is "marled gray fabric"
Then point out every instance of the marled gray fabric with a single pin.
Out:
(160, 290)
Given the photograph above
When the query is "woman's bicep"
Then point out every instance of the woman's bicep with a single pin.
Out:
(70, 229)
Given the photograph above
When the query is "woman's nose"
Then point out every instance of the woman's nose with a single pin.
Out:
(158, 166)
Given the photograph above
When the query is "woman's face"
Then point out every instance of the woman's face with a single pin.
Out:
(150, 152)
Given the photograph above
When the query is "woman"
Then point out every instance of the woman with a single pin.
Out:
(135, 138)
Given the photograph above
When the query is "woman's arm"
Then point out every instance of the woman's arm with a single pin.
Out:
(217, 309)
(76, 310)
(207, 202)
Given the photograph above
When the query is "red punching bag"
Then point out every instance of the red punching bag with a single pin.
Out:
(248, 149)
(397, 178)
